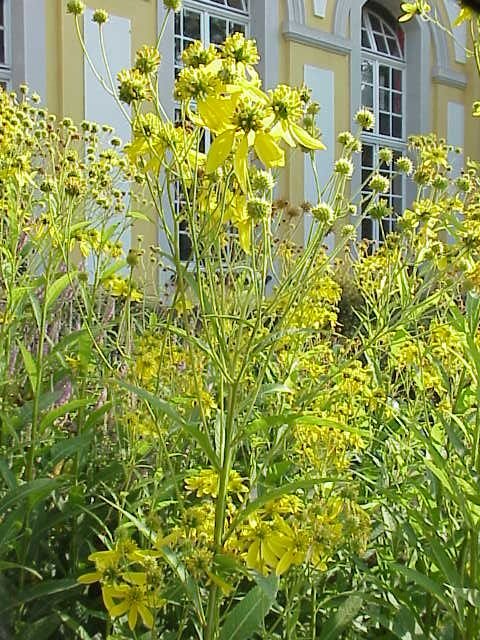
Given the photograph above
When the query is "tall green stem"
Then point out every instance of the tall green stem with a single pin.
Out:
(213, 609)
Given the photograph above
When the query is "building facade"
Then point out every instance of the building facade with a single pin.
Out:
(350, 52)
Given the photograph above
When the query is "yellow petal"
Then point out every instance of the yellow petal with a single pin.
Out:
(132, 617)
(285, 563)
(146, 614)
(268, 554)
(216, 112)
(240, 163)
(252, 555)
(119, 609)
(244, 237)
(219, 150)
(303, 138)
(89, 578)
(268, 150)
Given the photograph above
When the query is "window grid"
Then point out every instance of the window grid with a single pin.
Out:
(210, 21)
(383, 92)
(381, 37)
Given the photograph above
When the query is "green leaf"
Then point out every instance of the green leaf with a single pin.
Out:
(138, 215)
(34, 491)
(424, 582)
(57, 412)
(444, 563)
(269, 389)
(68, 447)
(248, 615)
(7, 474)
(5, 566)
(74, 626)
(30, 366)
(57, 288)
(42, 590)
(342, 618)
(41, 629)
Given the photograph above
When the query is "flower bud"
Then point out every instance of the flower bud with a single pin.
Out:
(77, 7)
(100, 16)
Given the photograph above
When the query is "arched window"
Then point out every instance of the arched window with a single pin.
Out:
(383, 72)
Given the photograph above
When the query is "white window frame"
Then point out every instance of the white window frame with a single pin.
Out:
(6, 67)
(374, 138)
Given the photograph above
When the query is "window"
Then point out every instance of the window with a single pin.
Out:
(5, 66)
(383, 91)
(209, 21)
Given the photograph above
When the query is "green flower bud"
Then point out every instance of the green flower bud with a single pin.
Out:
(324, 213)
(404, 165)
(365, 118)
(77, 7)
(100, 16)
(344, 167)
(172, 5)
(379, 183)
(385, 155)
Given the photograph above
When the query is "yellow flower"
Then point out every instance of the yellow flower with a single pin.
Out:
(464, 15)
(245, 127)
(411, 9)
(132, 599)
(265, 546)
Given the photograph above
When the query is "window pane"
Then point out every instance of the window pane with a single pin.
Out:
(384, 124)
(396, 127)
(397, 79)
(184, 242)
(178, 23)
(367, 229)
(397, 205)
(236, 4)
(2, 12)
(191, 25)
(393, 48)
(387, 227)
(235, 27)
(397, 103)
(178, 52)
(397, 185)
(367, 96)
(381, 43)
(384, 100)
(366, 40)
(367, 156)
(218, 30)
(367, 72)
(384, 76)
(2, 46)
(375, 22)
